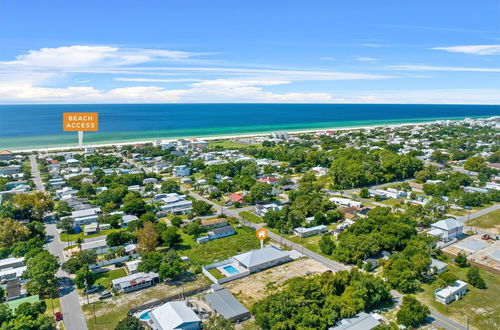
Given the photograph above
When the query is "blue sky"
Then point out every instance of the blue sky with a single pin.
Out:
(152, 51)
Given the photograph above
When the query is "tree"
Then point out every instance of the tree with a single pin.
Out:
(412, 312)
(171, 236)
(62, 208)
(326, 244)
(194, 228)
(66, 224)
(259, 192)
(461, 260)
(475, 163)
(2, 293)
(176, 221)
(201, 208)
(12, 231)
(147, 238)
(41, 270)
(363, 193)
(32, 206)
(119, 237)
(85, 278)
(86, 190)
(172, 266)
(79, 260)
(129, 323)
(150, 262)
(170, 186)
(218, 322)
(5, 313)
(135, 206)
(475, 278)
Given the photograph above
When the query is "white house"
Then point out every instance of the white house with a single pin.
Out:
(311, 231)
(134, 282)
(176, 204)
(174, 315)
(85, 217)
(99, 246)
(437, 266)
(451, 292)
(345, 202)
(262, 209)
(446, 230)
(180, 171)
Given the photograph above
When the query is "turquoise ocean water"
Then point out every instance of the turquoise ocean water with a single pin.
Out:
(39, 126)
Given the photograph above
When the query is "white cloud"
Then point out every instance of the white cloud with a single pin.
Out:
(365, 59)
(79, 56)
(373, 45)
(475, 50)
(157, 80)
(443, 68)
(327, 58)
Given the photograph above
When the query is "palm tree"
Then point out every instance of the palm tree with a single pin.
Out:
(79, 242)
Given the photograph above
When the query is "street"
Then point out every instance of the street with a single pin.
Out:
(70, 306)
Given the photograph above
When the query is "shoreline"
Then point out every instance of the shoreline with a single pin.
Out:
(231, 136)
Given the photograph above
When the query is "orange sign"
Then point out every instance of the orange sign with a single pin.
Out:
(80, 121)
(261, 234)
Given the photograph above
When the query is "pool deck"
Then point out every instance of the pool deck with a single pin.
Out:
(235, 265)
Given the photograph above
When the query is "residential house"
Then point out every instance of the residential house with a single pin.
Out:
(214, 223)
(310, 231)
(257, 260)
(174, 315)
(5, 156)
(225, 304)
(98, 246)
(180, 171)
(446, 230)
(176, 204)
(437, 266)
(86, 216)
(217, 233)
(361, 321)
(262, 209)
(346, 202)
(134, 282)
(451, 292)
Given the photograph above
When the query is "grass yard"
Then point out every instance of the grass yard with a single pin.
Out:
(52, 303)
(216, 273)
(228, 144)
(488, 221)
(223, 248)
(105, 278)
(73, 237)
(252, 217)
(482, 306)
(110, 311)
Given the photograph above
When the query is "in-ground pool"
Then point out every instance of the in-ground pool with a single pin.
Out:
(145, 316)
(230, 269)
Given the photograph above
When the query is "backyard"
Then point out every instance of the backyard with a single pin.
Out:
(105, 278)
(249, 216)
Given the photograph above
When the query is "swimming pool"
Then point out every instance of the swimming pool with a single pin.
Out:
(145, 316)
(231, 270)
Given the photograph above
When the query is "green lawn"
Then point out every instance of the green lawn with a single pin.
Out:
(221, 249)
(228, 144)
(252, 217)
(488, 221)
(52, 302)
(73, 237)
(105, 278)
(481, 306)
(216, 273)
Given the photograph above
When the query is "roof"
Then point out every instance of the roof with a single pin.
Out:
(447, 224)
(437, 263)
(260, 256)
(451, 289)
(225, 304)
(15, 303)
(361, 321)
(94, 245)
(223, 230)
(85, 212)
(213, 221)
(5, 152)
(173, 314)
(133, 279)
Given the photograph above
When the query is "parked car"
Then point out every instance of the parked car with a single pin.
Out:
(104, 295)
(58, 316)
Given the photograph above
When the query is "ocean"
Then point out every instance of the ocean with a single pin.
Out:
(40, 126)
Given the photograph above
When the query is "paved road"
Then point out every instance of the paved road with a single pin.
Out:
(36, 173)
(70, 306)
(477, 214)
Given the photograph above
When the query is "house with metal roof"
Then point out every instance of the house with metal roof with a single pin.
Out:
(446, 230)
(437, 266)
(361, 321)
(309, 231)
(134, 282)
(174, 315)
(225, 304)
(259, 259)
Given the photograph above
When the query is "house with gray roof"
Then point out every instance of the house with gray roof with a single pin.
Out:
(259, 259)
(361, 321)
(225, 304)
(136, 281)
(446, 230)
(174, 315)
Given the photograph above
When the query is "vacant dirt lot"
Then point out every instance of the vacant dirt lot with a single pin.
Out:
(250, 289)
